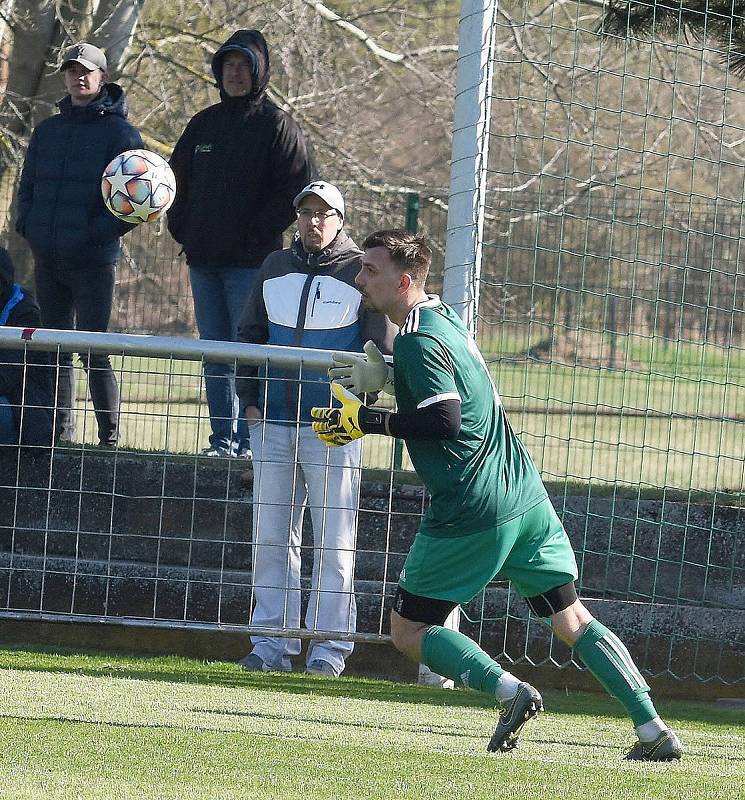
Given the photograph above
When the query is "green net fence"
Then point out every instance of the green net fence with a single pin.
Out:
(611, 311)
(611, 300)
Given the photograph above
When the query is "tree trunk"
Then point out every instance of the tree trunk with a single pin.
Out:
(114, 26)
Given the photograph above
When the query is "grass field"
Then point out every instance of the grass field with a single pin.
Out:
(669, 420)
(106, 726)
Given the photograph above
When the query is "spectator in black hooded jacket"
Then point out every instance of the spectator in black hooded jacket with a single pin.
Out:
(238, 166)
(25, 375)
(74, 239)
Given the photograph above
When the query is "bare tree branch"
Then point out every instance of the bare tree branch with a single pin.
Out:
(358, 33)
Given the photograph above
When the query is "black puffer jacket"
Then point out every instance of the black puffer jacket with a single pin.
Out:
(60, 209)
(238, 166)
(25, 375)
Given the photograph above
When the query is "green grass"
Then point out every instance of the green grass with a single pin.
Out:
(658, 423)
(634, 352)
(85, 726)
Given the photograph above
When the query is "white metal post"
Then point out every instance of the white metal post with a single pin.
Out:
(465, 224)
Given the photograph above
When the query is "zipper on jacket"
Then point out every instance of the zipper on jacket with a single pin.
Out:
(293, 389)
(317, 296)
(58, 188)
(302, 310)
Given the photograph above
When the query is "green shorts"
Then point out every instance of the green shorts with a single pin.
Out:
(532, 551)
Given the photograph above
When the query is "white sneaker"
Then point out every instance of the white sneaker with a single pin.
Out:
(255, 663)
(321, 667)
(217, 452)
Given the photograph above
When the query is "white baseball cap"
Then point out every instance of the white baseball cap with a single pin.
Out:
(327, 192)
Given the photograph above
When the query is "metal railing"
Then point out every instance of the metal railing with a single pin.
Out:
(146, 535)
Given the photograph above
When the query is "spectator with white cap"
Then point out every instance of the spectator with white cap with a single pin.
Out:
(304, 296)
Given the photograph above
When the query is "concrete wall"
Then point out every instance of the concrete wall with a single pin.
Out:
(119, 535)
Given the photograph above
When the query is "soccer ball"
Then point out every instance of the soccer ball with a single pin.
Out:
(138, 186)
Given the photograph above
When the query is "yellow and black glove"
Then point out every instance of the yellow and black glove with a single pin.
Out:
(336, 427)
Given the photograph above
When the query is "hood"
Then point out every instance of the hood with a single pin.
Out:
(112, 100)
(253, 45)
(339, 252)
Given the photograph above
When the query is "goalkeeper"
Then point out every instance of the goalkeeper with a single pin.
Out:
(489, 510)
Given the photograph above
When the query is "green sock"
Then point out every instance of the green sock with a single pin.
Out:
(606, 656)
(455, 656)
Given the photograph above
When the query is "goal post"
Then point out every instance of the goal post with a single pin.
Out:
(469, 158)
(594, 247)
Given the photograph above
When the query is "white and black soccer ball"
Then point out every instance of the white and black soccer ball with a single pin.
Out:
(138, 186)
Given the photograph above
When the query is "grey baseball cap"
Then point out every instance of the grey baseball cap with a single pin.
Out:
(90, 56)
(327, 192)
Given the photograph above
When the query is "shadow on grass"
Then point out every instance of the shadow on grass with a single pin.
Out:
(175, 669)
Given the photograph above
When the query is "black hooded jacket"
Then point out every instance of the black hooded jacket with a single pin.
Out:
(60, 209)
(238, 166)
(25, 375)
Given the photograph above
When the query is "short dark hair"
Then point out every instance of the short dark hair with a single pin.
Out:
(409, 250)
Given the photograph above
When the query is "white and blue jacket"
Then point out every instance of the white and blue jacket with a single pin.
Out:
(305, 299)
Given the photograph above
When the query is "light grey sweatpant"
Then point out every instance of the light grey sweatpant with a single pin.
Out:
(293, 468)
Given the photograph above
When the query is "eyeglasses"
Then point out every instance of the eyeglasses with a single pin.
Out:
(321, 216)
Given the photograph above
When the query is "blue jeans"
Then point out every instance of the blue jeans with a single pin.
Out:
(219, 296)
(8, 429)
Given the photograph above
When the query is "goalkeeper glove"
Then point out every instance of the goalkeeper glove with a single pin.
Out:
(362, 375)
(336, 427)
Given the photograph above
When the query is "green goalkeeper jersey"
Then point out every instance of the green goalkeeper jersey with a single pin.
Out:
(485, 476)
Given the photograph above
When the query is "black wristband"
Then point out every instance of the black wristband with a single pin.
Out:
(374, 420)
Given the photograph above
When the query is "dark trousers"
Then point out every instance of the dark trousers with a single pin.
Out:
(81, 300)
